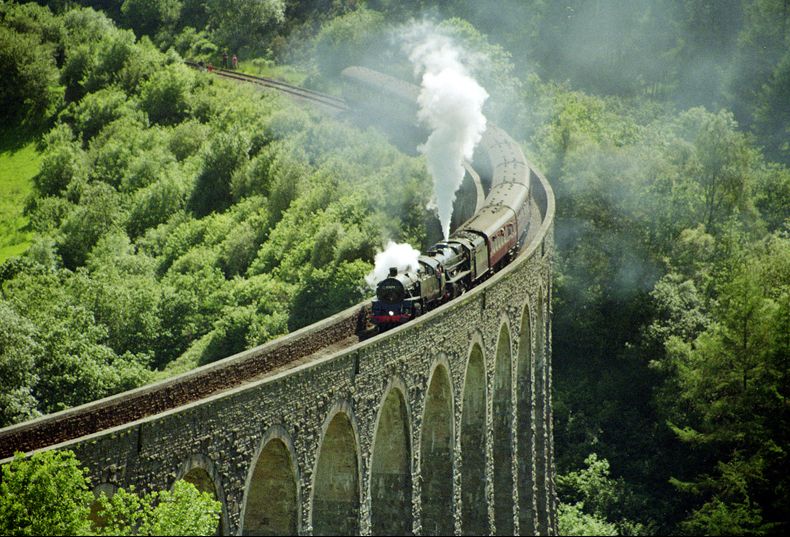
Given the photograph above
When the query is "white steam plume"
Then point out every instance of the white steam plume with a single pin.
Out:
(451, 104)
(399, 255)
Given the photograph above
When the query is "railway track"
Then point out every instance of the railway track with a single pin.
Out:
(322, 99)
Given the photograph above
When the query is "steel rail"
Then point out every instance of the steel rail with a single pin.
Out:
(310, 95)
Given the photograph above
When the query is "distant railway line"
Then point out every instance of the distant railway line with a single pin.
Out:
(322, 99)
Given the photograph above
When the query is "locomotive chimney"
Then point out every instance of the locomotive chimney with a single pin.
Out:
(393, 272)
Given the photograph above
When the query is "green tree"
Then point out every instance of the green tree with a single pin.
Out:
(19, 352)
(187, 138)
(30, 54)
(76, 365)
(770, 117)
(722, 165)
(772, 195)
(149, 17)
(762, 42)
(156, 203)
(327, 291)
(590, 499)
(97, 110)
(97, 55)
(241, 22)
(225, 153)
(727, 390)
(195, 45)
(29, 89)
(347, 40)
(165, 96)
(128, 155)
(183, 511)
(124, 292)
(573, 520)
(47, 494)
(64, 162)
(97, 213)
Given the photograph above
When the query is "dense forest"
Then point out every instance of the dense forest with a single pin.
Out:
(174, 219)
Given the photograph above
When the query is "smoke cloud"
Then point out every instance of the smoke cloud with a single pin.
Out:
(451, 105)
(400, 255)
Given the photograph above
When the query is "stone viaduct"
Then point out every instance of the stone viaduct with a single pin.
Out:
(440, 426)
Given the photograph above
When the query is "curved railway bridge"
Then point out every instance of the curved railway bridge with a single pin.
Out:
(440, 426)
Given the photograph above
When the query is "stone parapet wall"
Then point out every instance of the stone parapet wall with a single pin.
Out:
(171, 393)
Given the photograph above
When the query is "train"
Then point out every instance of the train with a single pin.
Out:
(479, 247)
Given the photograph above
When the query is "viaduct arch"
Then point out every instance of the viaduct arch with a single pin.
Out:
(442, 425)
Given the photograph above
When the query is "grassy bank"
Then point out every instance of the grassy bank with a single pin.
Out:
(19, 163)
(264, 68)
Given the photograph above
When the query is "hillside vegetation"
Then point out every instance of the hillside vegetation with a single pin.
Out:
(177, 220)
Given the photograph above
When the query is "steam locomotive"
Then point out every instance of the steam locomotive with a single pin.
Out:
(477, 249)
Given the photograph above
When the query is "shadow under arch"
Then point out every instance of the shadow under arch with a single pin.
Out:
(502, 421)
(109, 490)
(525, 434)
(436, 453)
(390, 467)
(201, 472)
(336, 489)
(271, 495)
(474, 505)
(542, 439)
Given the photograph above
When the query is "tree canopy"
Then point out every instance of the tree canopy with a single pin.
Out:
(49, 494)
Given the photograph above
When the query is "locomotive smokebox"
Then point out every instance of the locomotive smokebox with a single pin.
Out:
(393, 272)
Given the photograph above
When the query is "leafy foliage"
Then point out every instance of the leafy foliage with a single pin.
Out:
(236, 22)
(19, 352)
(572, 520)
(48, 494)
(346, 40)
(589, 498)
(660, 228)
(182, 511)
